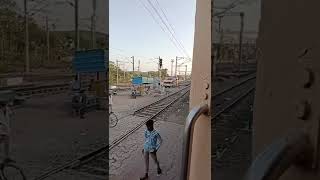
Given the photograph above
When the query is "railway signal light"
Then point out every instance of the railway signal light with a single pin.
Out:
(160, 63)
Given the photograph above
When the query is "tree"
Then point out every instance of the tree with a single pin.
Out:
(164, 73)
(112, 73)
(125, 77)
(8, 4)
(10, 38)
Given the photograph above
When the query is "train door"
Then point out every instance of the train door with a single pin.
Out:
(197, 141)
(286, 110)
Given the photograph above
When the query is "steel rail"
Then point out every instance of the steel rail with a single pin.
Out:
(105, 149)
(96, 153)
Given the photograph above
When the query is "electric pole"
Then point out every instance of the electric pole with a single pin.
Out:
(138, 66)
(27, 35)
(117, 72)
(172, 60)
(220, 17)
(220, 49)
(48, 39)
(93, 24)
(220, 31)
(2, 45)
(76, 31)
(124, 72)
(160, 65)
(185, 74)
(176, 67)
(132, 65)
(76, 20)
(240, 40)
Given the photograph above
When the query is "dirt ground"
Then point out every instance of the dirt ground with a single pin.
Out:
(126, 161)
(45, 135)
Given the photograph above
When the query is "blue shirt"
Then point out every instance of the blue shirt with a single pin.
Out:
(151, 141)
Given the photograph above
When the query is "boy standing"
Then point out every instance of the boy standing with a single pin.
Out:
(151, 147)
(110, 101)
(75, 84)
(79, 103)
(5, 116)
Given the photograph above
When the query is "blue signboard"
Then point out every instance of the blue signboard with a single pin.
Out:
(89, 61)
(142, 80)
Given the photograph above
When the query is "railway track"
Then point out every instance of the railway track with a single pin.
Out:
(31, 90)
(225, 129)
(230, 96)
(234, 157)
(154, 107)
(55, 88)
(95, 164)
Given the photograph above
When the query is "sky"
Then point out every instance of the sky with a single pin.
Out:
(133, 32)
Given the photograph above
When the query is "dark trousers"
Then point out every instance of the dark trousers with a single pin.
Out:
(80, 109)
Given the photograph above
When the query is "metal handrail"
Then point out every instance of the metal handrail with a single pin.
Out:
(294, 149)
(193, 116)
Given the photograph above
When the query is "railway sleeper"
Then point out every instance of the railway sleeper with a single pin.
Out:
(150, 111)
(143, 114)
(93, 170)
(162, 106)
(103, 160)
(157, 106)
(148, 107)
(86, 174)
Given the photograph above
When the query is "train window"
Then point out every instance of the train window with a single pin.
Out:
(235, 30)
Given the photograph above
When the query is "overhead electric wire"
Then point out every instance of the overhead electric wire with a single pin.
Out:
(38, 4)
(187, 61)
(171, 39)
(111, 52)
(166, 18)
(161, 19)
(174, 43)
(124, 52)
(16, 9)
(34, 11)
(129, 57)
(117, 49)
(228, 8)
(231, 6)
